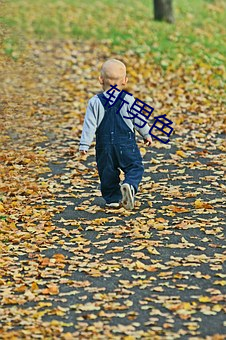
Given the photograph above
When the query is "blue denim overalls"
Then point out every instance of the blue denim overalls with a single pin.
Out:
(116, 148)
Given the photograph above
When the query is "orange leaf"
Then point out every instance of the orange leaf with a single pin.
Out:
(34, 286)
(53, 289)
(20, 289)
(59, 257)
(200, 204)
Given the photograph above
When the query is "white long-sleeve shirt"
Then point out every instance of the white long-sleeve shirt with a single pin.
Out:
(95, 112)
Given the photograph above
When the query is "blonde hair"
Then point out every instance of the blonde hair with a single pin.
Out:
(112, 61)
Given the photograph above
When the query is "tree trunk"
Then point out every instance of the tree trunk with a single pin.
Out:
(163, 10)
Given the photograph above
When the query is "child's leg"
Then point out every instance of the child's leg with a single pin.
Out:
(107, 166)
(131, 164)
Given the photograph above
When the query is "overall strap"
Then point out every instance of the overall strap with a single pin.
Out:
(116, 104)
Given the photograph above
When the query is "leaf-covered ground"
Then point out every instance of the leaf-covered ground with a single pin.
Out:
(69, 268)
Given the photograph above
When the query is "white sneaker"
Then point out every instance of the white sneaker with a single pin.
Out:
(113, 205)
(128, 194)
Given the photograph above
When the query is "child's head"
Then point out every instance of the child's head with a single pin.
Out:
(113, 72)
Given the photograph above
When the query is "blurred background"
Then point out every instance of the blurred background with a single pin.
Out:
(198, 29)
(174, 50)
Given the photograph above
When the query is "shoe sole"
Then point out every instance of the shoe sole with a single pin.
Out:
(115, 206)
(127, 197)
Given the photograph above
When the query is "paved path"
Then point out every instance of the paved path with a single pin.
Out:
(156, 271)
(74, 270)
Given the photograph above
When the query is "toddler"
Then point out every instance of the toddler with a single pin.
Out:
(116, 146)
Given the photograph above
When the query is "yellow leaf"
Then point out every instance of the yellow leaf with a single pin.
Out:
(217, 308)
(99, 221)
(187, 305)
(155, 161)
(140, 265)
(67, 336)
(38, 315)
(116, 250)
(158, 289)
(78, 239)
(222, 282)
(12, 225)
(44, 304)
(153, 251)
(1, 208)
(181, 153)
(200, 204)
(204, 299)
(160, 227)
(143, 151)
(192, 326)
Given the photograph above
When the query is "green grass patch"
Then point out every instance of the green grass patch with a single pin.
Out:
(198, 31)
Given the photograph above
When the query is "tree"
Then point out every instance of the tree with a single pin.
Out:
(163, 10)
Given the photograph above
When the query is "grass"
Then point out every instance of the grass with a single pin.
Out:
(198, 31)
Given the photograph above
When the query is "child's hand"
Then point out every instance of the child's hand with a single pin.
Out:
(83, 152)
(148, 141)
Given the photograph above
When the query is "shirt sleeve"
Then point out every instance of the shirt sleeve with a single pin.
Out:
(89, 127)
